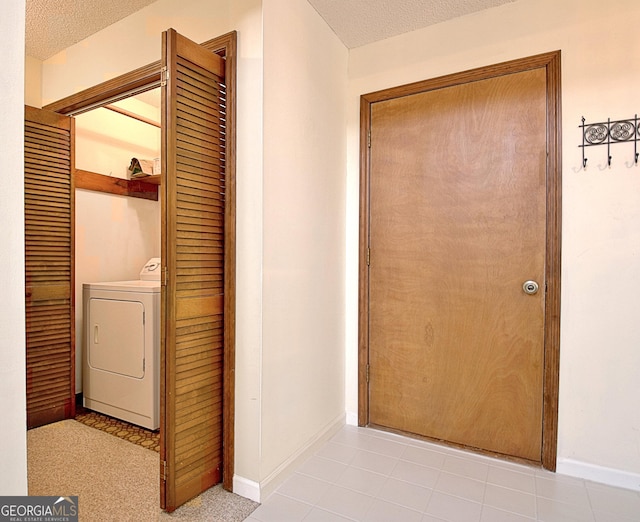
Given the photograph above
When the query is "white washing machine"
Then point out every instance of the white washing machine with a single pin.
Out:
(121, 363)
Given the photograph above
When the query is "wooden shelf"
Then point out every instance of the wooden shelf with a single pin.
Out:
(153, 179)
(144, 188)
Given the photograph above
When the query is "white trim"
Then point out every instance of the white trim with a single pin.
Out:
(601, 474)
(352, 418)
(259, 491)
(282, 472)
(246, 488)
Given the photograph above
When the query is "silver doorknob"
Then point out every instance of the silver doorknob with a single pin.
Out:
(530, 287)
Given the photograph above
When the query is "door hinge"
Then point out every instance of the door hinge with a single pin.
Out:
(369, 139)
(165, 276)
(367, 373)
(163, 470)
(368, 256)
(164, 76)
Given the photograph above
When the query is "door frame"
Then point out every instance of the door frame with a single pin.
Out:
(146, 78)
(551, 62)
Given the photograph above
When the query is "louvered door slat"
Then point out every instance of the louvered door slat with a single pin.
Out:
(57, 159)
(46, 184)
(192, 119)
(50, 353)
(52, 191)
(46, 140)
(191, 127)
(197, 106)
(190, 114)
(204, 80)
(202, 88)
(190, 166)
(193, 247)
(49, 356)
(191, 131)
(36, 166)
(202, 146)
(42, 200)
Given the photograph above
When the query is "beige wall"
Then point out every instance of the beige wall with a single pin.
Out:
(13, 451)
(305, 68)
(33, 82)
(599, 431)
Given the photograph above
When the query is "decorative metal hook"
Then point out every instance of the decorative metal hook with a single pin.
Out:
(608, 133)
(609, 142)
(635, 140)
(584, 159)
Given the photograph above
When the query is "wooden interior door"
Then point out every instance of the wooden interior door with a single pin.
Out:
(49, 266)
(457, 224)
(193, 231)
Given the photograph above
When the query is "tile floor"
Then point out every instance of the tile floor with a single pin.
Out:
(373, 476)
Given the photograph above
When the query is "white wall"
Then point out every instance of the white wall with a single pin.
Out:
(305, 85)
(599, 424)
(13, 451)
(110, 53)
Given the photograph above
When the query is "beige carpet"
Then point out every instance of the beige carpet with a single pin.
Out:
(114, 480)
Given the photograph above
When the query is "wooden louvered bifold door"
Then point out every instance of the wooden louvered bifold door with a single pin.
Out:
(193, 263)
(49, 250)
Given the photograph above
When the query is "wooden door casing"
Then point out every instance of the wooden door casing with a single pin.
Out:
(49, 266)
(546, 401)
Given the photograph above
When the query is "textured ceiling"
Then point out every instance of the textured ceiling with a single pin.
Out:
(360, 22)
(54, 25)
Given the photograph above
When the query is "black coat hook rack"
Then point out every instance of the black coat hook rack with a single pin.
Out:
(609, 133)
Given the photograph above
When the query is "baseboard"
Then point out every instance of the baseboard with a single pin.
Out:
(260, 491)
(246, 488)
(282, 472)
(601, 474)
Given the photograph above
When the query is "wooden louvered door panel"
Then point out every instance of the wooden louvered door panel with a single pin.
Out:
(193, 263)
(49, 266)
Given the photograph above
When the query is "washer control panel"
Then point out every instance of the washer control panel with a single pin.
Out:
(151, 270)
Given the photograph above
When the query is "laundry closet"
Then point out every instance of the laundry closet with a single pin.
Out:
(117, 263)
